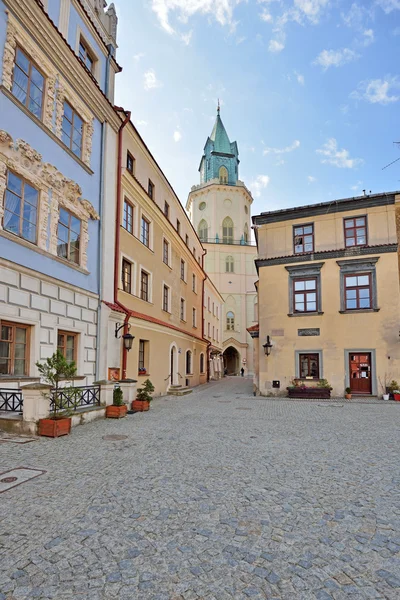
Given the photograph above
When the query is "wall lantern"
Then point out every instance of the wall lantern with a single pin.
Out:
(267, 346)
(127, 337)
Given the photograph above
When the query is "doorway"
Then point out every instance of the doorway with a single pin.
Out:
(360, 373)
(231, 361)
(173, 366)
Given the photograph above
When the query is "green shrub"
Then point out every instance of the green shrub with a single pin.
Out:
(118, 397)
(144, 392)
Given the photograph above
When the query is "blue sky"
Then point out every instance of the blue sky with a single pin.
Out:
(309, 89)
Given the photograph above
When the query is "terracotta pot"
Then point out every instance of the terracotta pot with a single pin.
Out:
(116, 412)
(396, 397)
(140, 405)
(55, 427)
(348, 396)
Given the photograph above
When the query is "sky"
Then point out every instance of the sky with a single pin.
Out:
(309, 89)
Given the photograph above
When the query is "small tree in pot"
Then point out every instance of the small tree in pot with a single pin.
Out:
(118, 408)
(53, 370)
(348, 393)
(143, 397)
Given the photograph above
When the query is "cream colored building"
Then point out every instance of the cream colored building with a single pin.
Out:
(160, 278)
(213, 311)
(219, 208)
(329, 295)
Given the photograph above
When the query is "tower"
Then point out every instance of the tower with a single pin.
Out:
(219, 208)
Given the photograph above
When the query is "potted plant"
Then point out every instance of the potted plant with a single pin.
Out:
(348, 393)
(142, 371)
(143, 397)
(384, 383)
(392, 388)
(396, 395)
(117, 409)
(53, 370)
(299, 390)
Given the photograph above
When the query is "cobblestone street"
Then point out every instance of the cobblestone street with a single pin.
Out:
(217, 495)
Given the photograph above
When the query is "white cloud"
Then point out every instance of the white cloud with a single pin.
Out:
(311, 9)
(356, 16)
(177, 136)
(150, 80)
(138, 56)
(337, 157)
(311, 179)
(221, 10)
(357, 186)
(389, 5)
(187, 37)
(300, 78)
(369, 37)
(290, 148)
(258, 184)
(266, 16)
(377, 91)
(275, 46)
(335, 58)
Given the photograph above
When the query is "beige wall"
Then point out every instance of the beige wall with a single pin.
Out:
(213, 315)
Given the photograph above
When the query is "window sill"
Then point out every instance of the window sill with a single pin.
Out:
(306, 314)
(16, 378)
(148, 247)
(35, 248)
(189, 375)
(143, 374)
(167, 265)
(167, 311)
(358, 310)
(42, 126)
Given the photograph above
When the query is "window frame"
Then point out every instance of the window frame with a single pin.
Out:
(124, 221)
(12, 342)
(187, 240)
(229, 264)
(194, 283)
(357, 288)
(310, 356)
(301, 272)
(22, 205)
(230, 321)
(71, 214)
(166, 209)
(151, 190)
(228, 238)
(145, 238)
(70, 145)
(166, 298)
(188, 362)
(178, 227)
(166, 252)
(304, 294)
(183, 270)
(125, 261)
(312, 234)
(202, 363)
(75, 336)
(365, 227)
(194, 318)
(144, 289)
(31, 63)
(143, 355)
(88, 53)
(357, 267)
(129, 157)
(182, 309)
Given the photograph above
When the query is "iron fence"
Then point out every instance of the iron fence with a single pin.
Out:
(11, 400)
(76, 397)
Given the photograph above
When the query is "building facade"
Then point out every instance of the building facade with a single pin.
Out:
(213, 309)
(219, 208)
(329, 295)
(160, 283)
(57, 130)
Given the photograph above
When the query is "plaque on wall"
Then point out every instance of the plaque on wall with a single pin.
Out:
(277, 332)
(309, 331)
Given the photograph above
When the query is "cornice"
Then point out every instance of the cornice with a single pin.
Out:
(45, 34)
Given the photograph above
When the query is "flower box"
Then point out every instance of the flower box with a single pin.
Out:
(55, 427)
(396, 397)
(140, 405)
(309, 392)
(116, 412)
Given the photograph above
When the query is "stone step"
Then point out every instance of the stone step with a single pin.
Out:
(175, 387)
(183, 391)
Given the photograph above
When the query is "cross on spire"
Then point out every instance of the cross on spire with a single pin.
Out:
(218, 107)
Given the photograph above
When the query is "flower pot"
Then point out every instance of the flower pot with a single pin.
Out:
(116, 412)
(348, 396)
(396, 397)
(385, 396)
(309, 393)
(55, 427)
(140, 405)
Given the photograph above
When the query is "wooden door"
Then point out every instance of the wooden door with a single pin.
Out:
(360, 373)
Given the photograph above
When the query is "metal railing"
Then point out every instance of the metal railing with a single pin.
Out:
(227, 241)
(77, 397)
(11, 400)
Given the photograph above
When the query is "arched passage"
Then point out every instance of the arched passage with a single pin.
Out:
(173, 357)
(231, 361)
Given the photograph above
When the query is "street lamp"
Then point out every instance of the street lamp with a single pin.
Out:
(127, 337)
(267, 346)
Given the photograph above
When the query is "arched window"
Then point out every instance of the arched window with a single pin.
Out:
(246, 233)
(203, 231)
(202, 363)
(227, 231)
(230, 321)
(229, 264)
(223, 175)
(188, 362)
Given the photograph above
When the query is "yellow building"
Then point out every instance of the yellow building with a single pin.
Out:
(160, 276)
(213, 311)
(329, 295)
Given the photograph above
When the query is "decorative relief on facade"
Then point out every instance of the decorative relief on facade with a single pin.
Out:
(25, 161)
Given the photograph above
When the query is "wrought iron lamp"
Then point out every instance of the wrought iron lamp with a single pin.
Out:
(267, 346)
(127, 337)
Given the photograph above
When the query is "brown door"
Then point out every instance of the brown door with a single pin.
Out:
(360, 373)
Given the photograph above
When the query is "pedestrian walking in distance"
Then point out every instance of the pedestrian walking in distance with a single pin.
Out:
(242, 372)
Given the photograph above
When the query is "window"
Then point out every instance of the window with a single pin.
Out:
(145, 232)
(166, 209)
(213, 310)
(14, 349)
(217, 312)
(72, 130)
(217, 335)
(182, 309)
(28, 84)
(227, 231)
(209, 304)
(194, 317)
(166, 298)
(202, 363)
(126, 276)
(188, 362)
(309, 366)
(208, 330)
(203, 231)
(130, 163)
(166, 252)
(144, 286)
(213, 332)
(358, 291)
(143, 363)
(21, 206)
(246, 234)
(194, 282)
(187, 240)
(305, 295)
(67, 345)
(303, 239)
(150, 189)
(127, 222)
(194, 251)
(178, 227)
(230, 321)
(229, 264)
(223, 175)
(182, 269)
(355, 232)
(86, 56)
(202, 206)
(68, 236)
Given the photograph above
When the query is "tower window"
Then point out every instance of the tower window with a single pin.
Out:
(246, 233)
(203, 231)
(229, 264)
(223, 175)
(227, 231)
(230, 321)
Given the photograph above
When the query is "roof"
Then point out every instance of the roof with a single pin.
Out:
(220, 137)
(254, 328)
(114, 307)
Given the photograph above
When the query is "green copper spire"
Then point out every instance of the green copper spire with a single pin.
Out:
(220, 159)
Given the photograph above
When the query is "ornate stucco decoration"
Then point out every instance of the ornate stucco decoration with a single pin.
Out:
(16, 36)
(55, 190)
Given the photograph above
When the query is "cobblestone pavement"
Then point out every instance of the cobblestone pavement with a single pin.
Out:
(216, 495)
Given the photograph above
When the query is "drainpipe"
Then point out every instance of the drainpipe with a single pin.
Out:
(126, 310)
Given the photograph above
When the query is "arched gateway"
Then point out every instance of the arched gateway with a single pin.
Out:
(231, 361)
